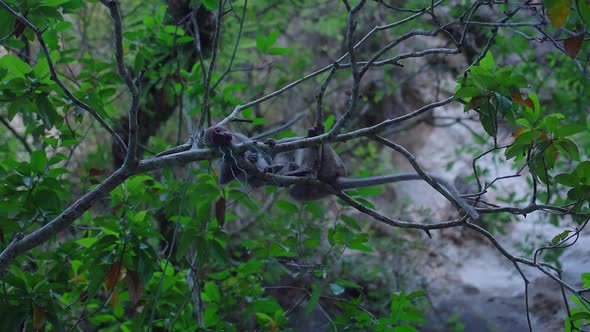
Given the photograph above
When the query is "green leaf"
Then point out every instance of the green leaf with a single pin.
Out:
(38, 160)
(580, 316)
(566, 179)
(279, 51)
(13, 317)
(560, 237)
(87, 242)
(210, 316)
(265, 318)
(211, 4)
(584, 10)
(557, 11)
(551, 121)
(349, 284)
(263, 43)
(287, 207)
(15, 66)
(467, 91)
(569, 147)
(350, 222)
(583, 171)
(488, 119)
(369, 191)
(7, 26)
(329, 122)
(569, 129)
(488, 61)
(211, 292)
(313, 300)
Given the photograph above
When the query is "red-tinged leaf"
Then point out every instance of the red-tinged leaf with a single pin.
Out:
(114, 298)
(220, 211)
(111, 280)
(97, 171)
(572, 45)
(134, 287)
(517, 97)
(38, 318)
(118, 207)
(113, 276)
(557, 11)
(518, 132)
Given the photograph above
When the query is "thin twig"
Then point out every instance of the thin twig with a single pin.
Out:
(55, 77)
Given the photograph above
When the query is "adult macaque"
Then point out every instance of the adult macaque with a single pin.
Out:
(322, 162)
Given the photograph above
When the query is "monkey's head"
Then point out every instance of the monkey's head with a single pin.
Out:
(217, 136)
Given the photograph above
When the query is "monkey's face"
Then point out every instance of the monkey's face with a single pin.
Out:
(218, 136)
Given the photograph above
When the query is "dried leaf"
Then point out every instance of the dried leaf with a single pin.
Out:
(114, 298)
(113, 276)
(572, 45)
(517, 97)
(19, 27)
(97, 171)
(134, 287)
(518, 132)
(220, 211)
(38, 318)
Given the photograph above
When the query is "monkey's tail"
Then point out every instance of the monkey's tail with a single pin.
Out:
(351, 183)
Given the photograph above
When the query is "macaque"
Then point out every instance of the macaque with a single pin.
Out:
(321, 162)
(229, 169)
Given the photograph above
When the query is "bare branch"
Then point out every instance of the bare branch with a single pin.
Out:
(131, 158)
(18, 136)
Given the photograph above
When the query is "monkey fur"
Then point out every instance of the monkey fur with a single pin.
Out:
(322, 162)
(221, 138)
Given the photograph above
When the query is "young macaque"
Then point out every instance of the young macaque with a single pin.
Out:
(229, 169)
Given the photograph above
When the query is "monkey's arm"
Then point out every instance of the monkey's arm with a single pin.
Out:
(351, 183)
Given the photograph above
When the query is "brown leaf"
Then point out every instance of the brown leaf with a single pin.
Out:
(19, 27)
(111, 280)
(134, 287)
(97, 171)
(38, 318)
(114, 298)
(572, 45)
(113, 276)
(220, 211)
(517, 97)
(518, 132)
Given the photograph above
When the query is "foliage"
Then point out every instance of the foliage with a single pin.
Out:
(172, 249)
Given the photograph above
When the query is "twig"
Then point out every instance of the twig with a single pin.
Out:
(54, 75)
(131, 159)
(18, 136)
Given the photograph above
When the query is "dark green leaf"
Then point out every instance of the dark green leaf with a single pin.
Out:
(38, 160)
(580, 316)
(313, 300)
